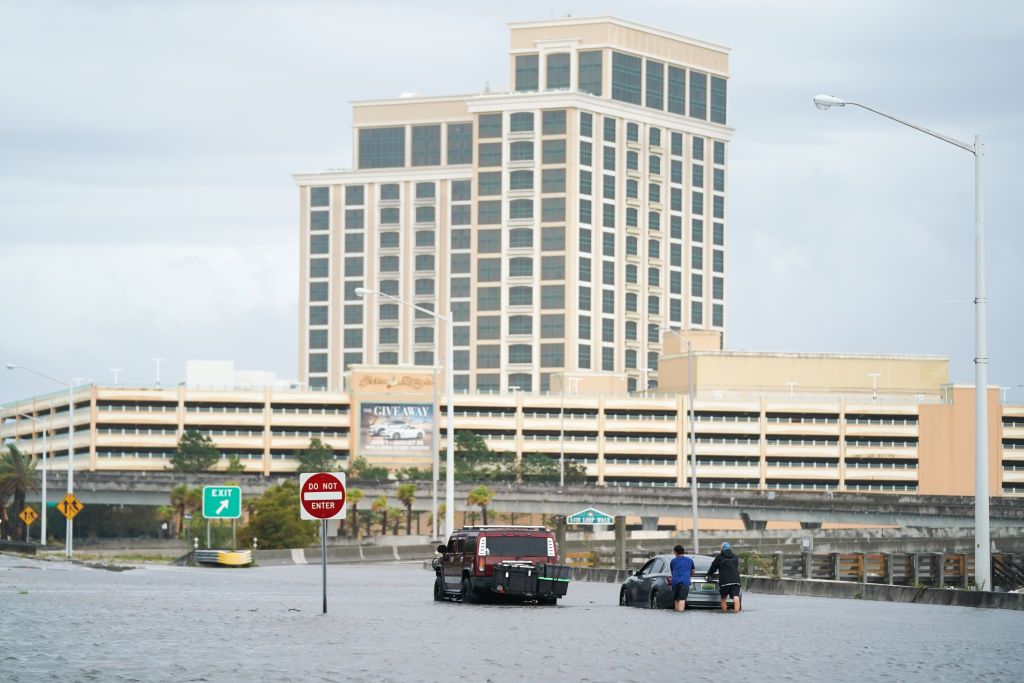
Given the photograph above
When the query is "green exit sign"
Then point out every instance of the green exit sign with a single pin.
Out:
(222, 502)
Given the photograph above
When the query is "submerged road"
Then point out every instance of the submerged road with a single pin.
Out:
(160, 623)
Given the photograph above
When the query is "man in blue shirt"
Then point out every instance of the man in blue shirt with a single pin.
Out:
(682, 568)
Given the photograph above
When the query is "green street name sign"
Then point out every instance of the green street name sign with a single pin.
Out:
(222, 502)
(590, 516)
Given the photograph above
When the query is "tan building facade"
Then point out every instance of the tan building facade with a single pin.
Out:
(560, 223)
(867, 439)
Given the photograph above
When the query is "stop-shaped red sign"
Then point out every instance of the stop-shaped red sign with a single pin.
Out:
(322, 495)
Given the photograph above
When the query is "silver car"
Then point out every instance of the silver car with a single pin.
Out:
(651, 586)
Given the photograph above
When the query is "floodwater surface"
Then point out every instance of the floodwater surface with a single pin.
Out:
(72, 622)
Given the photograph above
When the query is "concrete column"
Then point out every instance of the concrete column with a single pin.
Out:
(963, 569)
(833, 562)
(915, 569)
(752, 524)
(777, 562)
(887, 567)
(939, 560)
(620, 542)
(863, 567)
(806, 557)
(560, 536)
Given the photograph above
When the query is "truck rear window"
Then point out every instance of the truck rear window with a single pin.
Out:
(517, 546)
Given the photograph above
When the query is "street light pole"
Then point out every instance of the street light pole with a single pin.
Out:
(71, 444)
(42, 514)
(693, 441)
(982, 542)
(449, 498)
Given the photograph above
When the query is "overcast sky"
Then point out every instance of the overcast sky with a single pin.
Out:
(147, 208)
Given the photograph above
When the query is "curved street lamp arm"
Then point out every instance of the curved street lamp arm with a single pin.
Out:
(945, 138)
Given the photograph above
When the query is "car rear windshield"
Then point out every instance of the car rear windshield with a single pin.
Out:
(517, 546)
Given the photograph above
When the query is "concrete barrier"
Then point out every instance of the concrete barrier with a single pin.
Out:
(883, 592)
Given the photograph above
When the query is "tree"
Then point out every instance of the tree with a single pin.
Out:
(319, 457)
(275, 519)
(235, 465)
(407, 495)
(17, 476)
(396, 517)
(359, 468)
(184, 500)
(481, 496)
(354, 496)
(380, 506)
(194, 453)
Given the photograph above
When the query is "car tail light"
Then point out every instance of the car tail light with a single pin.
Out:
(480, 565)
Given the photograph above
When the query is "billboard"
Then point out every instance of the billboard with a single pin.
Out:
(402, 429)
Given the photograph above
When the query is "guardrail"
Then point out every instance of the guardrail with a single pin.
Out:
(894, 569)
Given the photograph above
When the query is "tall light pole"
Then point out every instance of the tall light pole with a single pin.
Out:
(693, 440)
(982, 543)
(42, 514)
(449, 494)
(71, 442)
(158, 361)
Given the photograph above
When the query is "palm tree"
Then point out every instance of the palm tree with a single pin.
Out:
(17, 476)
(396, 515)
(380, 504)
(407, 495)
(354, 496)
(481, 496)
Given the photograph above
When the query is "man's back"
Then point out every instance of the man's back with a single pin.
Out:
(682, 567)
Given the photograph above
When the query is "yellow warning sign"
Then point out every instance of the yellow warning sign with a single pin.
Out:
(70, 506)
(28, 515)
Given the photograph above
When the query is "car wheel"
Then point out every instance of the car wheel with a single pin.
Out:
(624, 598)
(654, 600)
(419, 435)
(468, 596)
(438, 589)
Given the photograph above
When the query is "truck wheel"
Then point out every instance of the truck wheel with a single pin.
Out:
(468, 596)
(438, 589)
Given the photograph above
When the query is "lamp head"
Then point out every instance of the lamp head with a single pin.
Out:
(12, 366)
(362, 291)
(826, 101)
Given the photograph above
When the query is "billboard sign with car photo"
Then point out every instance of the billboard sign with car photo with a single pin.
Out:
(396, 429)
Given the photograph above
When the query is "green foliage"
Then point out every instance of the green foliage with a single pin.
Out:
(235, 465)
(475, 461)
(359, 468)
(319, 457)
(414, 474)
(481, 496)
(407, 496)
(17, 476)
(353, 496)
(275, 520)
(194, 453)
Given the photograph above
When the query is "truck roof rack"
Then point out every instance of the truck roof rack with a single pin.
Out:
(503, 526)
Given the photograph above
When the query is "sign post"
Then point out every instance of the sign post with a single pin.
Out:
(28, 515)
(221, 502)
(322, 496)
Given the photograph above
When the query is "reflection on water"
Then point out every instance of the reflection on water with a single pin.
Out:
(71, 622)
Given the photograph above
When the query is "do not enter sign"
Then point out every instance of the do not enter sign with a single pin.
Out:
(322, 495)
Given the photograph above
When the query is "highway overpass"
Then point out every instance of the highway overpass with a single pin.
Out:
(754, 507)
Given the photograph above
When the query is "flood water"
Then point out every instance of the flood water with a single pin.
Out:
(71, 622)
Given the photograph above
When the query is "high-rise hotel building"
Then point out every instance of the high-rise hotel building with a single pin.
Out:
(563, 223)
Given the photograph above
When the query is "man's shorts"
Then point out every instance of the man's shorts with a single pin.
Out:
(680, 591)
(730, 591)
